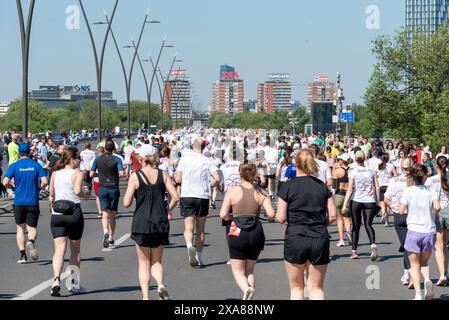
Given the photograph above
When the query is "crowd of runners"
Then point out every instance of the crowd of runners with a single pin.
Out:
(304, 182)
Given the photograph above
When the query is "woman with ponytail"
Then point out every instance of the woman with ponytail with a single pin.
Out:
(67, 222)
(422, 205)
(440, 184)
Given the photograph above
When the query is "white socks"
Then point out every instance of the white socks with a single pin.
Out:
(105, 231)
(189, 245)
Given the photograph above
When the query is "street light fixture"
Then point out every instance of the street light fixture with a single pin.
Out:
(126, 76)
(98, 62)
(25, 32)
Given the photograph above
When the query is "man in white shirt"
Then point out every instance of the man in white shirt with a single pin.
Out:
(374, 162)
(127, 152)
(324, 172)
(194, 172)
(271, 158)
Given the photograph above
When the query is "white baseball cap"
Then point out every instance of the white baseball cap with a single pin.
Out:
(345, 157)
(146, 150)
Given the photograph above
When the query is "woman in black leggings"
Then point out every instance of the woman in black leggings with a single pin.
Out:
(393, 196)
(362, 186)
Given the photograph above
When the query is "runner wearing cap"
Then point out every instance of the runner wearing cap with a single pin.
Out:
(29, 178)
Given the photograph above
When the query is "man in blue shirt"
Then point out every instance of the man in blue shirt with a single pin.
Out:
(29, 178)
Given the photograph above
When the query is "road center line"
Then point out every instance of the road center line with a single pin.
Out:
(39, 288)
(118, 242)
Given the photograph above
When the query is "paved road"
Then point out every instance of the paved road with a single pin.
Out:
(113, 274)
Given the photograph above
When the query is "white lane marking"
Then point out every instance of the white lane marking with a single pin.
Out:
(39, 288)
(118, 242)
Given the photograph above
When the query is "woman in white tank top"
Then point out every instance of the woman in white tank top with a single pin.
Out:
(67, 222)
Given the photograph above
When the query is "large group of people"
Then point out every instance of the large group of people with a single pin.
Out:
(304, 181)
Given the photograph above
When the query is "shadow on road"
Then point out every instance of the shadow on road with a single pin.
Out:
(266, 260)
(7, 296)
(119, 289)
(7, 233)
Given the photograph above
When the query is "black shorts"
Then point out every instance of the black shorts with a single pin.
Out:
(28, 215)
(150, 240)
(382, 191)
(194, 207)
(71, 226)
(248, 245)
(299, 250)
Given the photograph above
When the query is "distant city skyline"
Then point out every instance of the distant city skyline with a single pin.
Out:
(302, 38)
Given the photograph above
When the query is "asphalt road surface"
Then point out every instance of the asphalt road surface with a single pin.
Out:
(112, 274)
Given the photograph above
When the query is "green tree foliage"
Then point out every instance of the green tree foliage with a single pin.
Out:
(80, 116)
(407, 96)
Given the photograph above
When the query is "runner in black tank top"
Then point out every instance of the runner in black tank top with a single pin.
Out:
(150, 225)
(341, 185)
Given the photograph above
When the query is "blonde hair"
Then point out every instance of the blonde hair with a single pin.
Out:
(305, 162)
(152, 161)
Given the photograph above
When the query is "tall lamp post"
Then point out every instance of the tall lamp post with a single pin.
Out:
(98, 62)
(154, 74)
(25, 32)
(150, 60)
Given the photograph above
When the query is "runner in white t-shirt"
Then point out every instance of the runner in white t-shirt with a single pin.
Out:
(194, 173)
(385, 171)
(440, 185)
(362, 186)
(127, 152)
(87, 158)
(422, 205)
(393, 196)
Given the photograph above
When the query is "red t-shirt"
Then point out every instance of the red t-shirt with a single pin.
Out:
(135, 164)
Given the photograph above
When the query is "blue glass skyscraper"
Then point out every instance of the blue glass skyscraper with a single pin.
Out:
(425, 15)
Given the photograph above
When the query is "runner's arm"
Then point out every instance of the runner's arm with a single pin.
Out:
(281, 214)
(226, 206)
(132, 187)
(174, 196)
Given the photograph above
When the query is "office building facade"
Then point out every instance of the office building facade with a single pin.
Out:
(177, 99)
(228, 92)
(274, 94)
(60, 96)
(320, 90)
(425, 15)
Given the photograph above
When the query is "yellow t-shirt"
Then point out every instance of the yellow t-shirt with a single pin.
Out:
(13, 152)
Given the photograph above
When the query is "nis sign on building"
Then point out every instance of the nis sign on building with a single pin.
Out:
(78, 88)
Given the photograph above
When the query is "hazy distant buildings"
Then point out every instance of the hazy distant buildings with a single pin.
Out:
(320, 90)
(60, 96)
(275, 93)
(177, 99)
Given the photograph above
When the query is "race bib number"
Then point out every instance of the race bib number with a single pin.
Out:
(234, 231)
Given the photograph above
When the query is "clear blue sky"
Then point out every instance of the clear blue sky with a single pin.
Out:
(257, 37)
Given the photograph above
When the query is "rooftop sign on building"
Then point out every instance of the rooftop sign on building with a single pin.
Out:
(278, 76)
(322, 79)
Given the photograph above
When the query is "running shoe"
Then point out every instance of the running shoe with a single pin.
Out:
(387, 224)
(170, 216)
(383, 218)
(341, 243)
(99, 215)
(428, 290)
(22, 259)
(106, 241)
(229, 262)
(418, 296)
(163, 293)
(32, 250)
(374, 254)
(213, 206)
(354, 255)
(55, 288)
(405, 280)
(249, 294)
(111, 242)
(442, 282)
(348, 238)
(411, 285)
(77, 289)
(192, 257)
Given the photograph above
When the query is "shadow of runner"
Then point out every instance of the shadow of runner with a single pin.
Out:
(7, 296)
(119, 289)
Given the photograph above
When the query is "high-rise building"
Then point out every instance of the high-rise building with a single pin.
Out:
(425, 15)
(274, 94)
(177, 99)
(250, 105)
(320, 90)
(228, 93)
(226, 72)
